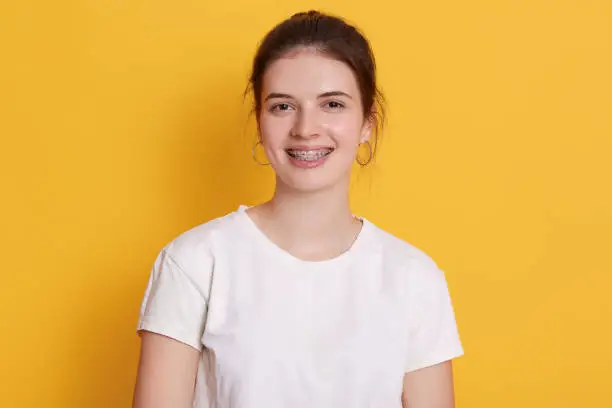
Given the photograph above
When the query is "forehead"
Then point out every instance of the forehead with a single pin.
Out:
(309, 73)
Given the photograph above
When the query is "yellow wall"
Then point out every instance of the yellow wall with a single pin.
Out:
(123, 125)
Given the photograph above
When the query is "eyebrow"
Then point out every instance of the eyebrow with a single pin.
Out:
(275, 95)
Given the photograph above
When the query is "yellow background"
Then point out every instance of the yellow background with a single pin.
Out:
(123, 125)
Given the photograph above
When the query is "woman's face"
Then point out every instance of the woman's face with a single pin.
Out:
(311, 120)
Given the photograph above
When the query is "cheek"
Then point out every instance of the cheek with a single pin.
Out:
(346, 131)
(273, 130)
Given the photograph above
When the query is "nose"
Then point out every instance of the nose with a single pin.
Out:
(306, 124)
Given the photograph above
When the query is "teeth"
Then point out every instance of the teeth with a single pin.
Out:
(309, 155)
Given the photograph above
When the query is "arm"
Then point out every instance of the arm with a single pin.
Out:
(166, 373)
(433, 343)
(171, 325)
(430, 387)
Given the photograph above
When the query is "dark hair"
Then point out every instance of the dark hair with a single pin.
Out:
(333, 37)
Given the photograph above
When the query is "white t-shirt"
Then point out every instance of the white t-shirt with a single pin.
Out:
(277, 332)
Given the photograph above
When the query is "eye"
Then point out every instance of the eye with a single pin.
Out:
(280, 107)
(334, 105)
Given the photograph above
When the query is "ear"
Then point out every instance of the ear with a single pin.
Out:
(368, 126)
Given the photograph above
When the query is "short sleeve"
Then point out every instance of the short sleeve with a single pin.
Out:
(174, 302)
(434, 336)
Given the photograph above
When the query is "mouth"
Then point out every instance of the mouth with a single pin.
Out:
(310, 155)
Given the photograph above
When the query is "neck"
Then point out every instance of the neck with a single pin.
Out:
(312, 216)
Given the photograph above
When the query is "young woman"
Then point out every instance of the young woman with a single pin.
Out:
(297, 302)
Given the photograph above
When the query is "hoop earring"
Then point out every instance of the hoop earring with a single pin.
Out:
(364, 163)
(255, 156)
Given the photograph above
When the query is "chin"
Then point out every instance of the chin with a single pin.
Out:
(310, 182)
(328, 174)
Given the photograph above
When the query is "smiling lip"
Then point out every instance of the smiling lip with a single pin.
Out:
(305, 147)
(308, 157)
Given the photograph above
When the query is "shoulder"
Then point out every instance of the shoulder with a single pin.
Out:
(423, 282)
(416, 264)
(192, 248)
